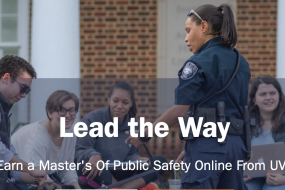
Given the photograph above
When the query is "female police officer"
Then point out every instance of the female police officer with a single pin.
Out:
(211, 36)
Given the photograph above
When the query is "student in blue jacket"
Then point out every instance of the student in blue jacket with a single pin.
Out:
(122, 105)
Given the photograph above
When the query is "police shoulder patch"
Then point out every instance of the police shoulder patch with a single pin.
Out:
(189, 71)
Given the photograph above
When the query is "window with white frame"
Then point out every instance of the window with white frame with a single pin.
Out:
(9, 27)
(14, 27)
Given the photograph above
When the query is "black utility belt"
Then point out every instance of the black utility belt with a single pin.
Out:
(210, 115)
(205, 115)
(235, 128)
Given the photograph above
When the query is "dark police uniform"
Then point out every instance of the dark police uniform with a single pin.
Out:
(203, 74)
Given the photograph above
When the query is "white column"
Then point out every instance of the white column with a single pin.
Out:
(55, 51)
(55, 38)
(280, 40)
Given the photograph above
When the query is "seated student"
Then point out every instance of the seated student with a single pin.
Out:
(122, 104)
(267, 106)
(41, 141)
(16, 76)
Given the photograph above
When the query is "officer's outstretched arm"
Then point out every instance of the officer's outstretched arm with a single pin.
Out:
(170, 117)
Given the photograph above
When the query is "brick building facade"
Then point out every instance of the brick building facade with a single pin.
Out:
(119, 37)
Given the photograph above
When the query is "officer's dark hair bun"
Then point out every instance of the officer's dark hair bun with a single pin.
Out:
(221, 22)
(220, 9)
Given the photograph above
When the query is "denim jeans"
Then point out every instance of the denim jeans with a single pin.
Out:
(260, 184)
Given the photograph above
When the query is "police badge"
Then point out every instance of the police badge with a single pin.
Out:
(189, 71)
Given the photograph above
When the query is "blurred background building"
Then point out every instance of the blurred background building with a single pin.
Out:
(85, 46)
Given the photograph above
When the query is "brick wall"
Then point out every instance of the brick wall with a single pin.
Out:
(118, 38)
(256, 24)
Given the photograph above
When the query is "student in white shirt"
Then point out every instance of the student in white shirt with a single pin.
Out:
(40, 142)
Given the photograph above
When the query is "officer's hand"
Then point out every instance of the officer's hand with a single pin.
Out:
(94, 171)
(134, 140)
(180, 157)
(275, 179)
(37, 173)
(246, 178)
